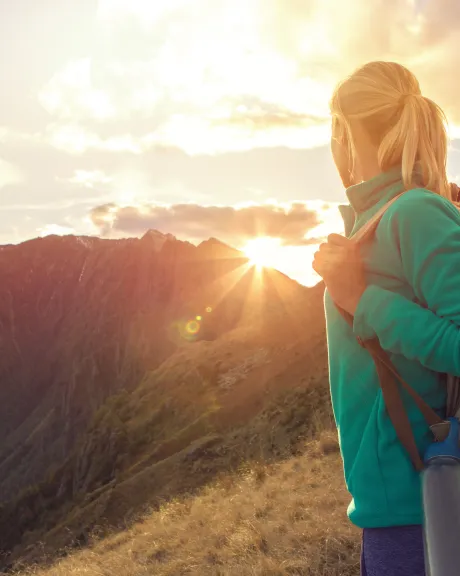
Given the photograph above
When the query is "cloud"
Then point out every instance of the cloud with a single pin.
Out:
(247, 75)
(88, 178)
(295, 229)
(156, 63)
(76, 139)
(9, 174)
(259, 114)
(55, 229)
(290, 223)
(150, 12)
(215, 102)
(71, 94)
(329, 39)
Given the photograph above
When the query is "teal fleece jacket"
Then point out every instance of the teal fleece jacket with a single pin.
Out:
(412, 304)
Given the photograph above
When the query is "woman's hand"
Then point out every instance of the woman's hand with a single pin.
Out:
(339, 264)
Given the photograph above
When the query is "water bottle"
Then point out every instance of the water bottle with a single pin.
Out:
(441, 504)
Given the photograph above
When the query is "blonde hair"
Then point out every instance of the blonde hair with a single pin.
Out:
(407, 128)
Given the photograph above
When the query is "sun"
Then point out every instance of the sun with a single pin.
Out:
(263, 251)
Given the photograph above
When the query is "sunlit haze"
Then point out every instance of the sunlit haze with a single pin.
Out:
(197, 118)
(264, 251)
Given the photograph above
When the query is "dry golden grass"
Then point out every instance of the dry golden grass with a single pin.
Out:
(280, 519)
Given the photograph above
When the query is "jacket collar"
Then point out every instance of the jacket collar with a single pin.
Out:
(382, 187)
(372, 193)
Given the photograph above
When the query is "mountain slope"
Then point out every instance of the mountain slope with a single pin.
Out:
(80, 319)
(279, 519)
(138, 370)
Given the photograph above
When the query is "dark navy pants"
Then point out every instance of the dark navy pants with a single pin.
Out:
(394, 551)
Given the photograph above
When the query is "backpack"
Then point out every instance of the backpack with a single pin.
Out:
(389, 378)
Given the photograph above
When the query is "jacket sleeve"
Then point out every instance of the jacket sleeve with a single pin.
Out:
(425, 231)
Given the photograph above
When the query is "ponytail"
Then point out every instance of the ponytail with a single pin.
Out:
(407, 128)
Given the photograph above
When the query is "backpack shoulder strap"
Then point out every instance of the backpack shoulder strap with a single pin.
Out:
(388, 374)
(389, 377)
(370, 227)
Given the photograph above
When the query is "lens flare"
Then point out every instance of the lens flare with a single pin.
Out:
(208, 309)
(192, 327)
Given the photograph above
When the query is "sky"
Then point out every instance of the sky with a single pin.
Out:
(200, 118)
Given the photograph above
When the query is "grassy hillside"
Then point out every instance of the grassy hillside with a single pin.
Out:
(264, 498)
(169, 444)
(266, 519)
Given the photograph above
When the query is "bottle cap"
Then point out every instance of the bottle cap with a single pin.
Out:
(448, 448)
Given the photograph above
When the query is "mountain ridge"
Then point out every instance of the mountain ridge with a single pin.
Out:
(126, 361)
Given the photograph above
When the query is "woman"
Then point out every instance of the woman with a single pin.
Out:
(403, 287)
